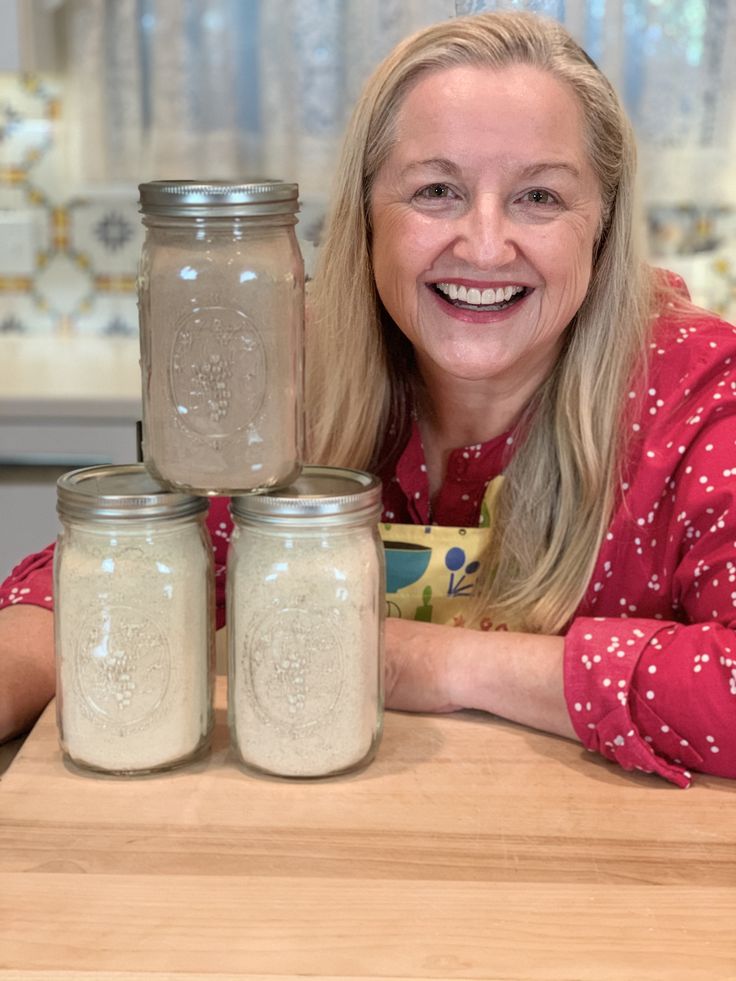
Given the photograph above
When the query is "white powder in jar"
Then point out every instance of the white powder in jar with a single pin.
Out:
(305, 649)
(135, 645)
(221, 365)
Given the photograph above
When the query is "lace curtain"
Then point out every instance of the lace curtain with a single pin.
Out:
(223, 88)
(672, 63)
(228, 87)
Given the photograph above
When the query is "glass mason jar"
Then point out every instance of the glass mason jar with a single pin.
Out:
(221, 308)
(134, 622)
(306, 590)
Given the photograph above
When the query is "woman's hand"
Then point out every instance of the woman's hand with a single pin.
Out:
(435, 668)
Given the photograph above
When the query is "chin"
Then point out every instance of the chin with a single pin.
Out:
(462, 371)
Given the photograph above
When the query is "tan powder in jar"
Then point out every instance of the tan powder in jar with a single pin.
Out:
(305, 659)
(222, 370)
(135, 646)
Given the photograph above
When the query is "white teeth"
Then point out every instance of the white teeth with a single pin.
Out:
(477, 297)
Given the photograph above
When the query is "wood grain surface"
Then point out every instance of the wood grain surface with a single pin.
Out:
(470, 848)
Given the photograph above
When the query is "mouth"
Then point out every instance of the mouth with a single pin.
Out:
(480, 300)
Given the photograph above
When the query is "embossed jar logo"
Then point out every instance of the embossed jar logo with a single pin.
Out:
(218, 372)
(294, 665)
(123, 666)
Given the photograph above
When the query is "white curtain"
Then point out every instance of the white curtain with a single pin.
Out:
(240, 88)
(672, 62)
(223, 88)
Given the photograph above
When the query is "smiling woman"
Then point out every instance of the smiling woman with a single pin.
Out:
(553, 421)
(490, 153)
(526, 386)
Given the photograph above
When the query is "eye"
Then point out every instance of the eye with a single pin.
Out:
(435, 192)
(539, 196)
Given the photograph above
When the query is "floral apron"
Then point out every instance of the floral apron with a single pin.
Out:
(431, 570)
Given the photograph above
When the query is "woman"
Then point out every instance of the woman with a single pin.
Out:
(554, 424)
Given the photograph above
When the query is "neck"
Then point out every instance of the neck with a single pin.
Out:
(455, 413)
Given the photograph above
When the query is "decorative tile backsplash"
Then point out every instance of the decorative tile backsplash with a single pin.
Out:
(68, 259)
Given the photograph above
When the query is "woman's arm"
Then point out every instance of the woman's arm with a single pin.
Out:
(435, 668)
(27, 670)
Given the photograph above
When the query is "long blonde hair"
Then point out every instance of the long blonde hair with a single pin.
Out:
(559, 489)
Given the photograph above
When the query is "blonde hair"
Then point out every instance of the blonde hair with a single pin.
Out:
(560, 486)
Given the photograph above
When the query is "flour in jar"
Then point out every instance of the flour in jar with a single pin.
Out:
(135, 645)
(222, 366)
(305, 649)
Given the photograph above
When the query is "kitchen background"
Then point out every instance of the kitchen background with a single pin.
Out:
(99, 95)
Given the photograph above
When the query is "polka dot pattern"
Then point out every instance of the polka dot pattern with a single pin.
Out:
(659, 617)
(469, 471)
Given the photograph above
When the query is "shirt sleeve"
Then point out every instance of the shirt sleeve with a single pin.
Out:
(31, 581)
(659, 695)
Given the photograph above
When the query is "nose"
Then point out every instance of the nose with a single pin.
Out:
(485, 234)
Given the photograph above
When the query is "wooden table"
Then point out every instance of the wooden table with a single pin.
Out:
(471, 848)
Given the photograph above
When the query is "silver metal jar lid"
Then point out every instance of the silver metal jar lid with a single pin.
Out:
(319, 493)
(226, 199)
(126, 492)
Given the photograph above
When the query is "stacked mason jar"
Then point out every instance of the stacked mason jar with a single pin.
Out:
(221, 305)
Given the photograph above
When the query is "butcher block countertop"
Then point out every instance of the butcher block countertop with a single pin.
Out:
(470, 848)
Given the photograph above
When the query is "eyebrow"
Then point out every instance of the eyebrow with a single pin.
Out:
(450, 169)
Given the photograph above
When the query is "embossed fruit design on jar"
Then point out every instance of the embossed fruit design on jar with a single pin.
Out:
(221, 301)
(134, 622)
(305, 603)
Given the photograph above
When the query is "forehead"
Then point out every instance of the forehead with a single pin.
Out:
(474, 112)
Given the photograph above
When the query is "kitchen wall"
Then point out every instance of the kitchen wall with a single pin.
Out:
(67, 261)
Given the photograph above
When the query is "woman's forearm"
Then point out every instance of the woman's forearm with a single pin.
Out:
(434, 668)
(27, 670)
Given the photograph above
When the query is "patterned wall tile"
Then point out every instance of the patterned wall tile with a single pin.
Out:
(109, 314)
(108, 233)
(62, 285)
(74, 266)
(12, 197)
(23, 239)
(21, 314)
(30, 137)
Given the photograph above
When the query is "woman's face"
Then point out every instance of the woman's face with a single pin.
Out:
(484, 220)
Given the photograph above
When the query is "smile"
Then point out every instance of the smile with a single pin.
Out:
(472, 298)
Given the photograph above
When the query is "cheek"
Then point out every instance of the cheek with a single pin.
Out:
(382, 239)
(406, 239)
(399, 257)
(569, 262)
(567, 266)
